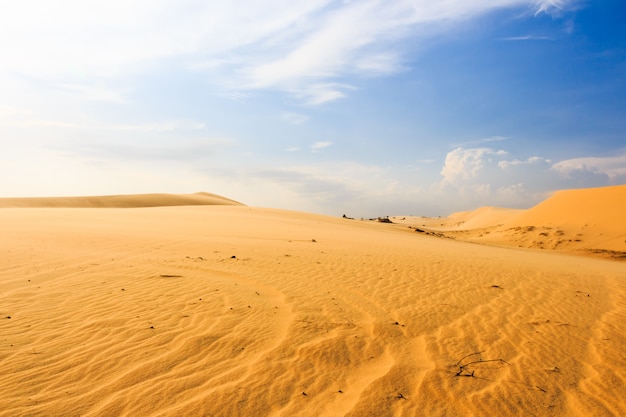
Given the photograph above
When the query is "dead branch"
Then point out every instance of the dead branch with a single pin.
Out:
(463, 367)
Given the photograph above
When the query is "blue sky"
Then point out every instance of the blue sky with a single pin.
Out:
(360, 107)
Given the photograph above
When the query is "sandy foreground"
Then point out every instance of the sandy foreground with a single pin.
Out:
(228, 310)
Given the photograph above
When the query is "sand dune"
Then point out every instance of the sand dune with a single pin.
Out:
(482, 217)
(119, 201)
(584, 221)
(241, 311)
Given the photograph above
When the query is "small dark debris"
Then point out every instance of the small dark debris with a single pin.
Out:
(340, 392)
(8, 317)
(304, 393)
(123, 289)
(420, 230)
(152, 327)
(497, 286)
(170, 276)
(313, 240)
(233, 257)
(396, 323)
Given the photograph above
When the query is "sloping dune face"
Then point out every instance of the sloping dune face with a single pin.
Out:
(585, 221)
(119, 201)
(590, 220)
(239, 311)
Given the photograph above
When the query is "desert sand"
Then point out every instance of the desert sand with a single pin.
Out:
(584, 221)
(229, 310)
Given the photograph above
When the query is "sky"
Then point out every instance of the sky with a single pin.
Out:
(364, 108)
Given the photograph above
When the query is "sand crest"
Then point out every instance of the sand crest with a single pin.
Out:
(119, 201)
(240, 311)
(584, 221)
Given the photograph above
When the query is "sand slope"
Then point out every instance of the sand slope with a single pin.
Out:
(119, 201)
(584, 221)
(239, 311)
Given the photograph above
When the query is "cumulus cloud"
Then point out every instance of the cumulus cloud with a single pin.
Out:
(612, 168)
(465, 164)
(485, 176)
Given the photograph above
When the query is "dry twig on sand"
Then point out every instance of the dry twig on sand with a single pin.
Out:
(463, 367)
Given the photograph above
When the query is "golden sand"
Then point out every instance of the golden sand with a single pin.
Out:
(236, 311)
(586, 222)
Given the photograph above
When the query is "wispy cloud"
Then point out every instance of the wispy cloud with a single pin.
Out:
(303, 48)
(481, 141)
(147, 151)
(26, 120)
(550, 6)
(527, 38)
(317, 146)
(346, 187)
(94, 92)
(168, 126)
(294, 118)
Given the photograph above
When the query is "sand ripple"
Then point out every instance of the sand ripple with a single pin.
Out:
(235, 311)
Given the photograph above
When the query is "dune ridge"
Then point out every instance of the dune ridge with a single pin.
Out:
(241, 311)
(584, 221)
(118, 201)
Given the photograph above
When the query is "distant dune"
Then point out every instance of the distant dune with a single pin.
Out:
(589, 221)
(119, 201)
(230, 310)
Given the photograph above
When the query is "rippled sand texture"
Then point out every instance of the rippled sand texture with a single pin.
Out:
(238, 311)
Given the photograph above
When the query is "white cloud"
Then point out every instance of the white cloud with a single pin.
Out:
(321, 145)
(516, 162)
(168, 126)
(294, 118)
(237, 96)
(464, 164)
(95, 92)
(355, 189)
(305, 48)
(550, 6)
(26, 120)
(316, 94)
(527, 38)
(480, 141)
(484, 176)
(613, 167)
